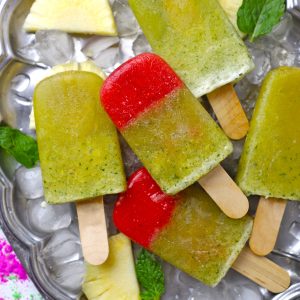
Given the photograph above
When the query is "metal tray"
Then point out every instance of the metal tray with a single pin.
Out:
(46, 237)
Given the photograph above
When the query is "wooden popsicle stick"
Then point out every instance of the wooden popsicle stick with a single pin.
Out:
(93, 232)
(229, 111)
(225, 193)
(266, 225)
(262, 271)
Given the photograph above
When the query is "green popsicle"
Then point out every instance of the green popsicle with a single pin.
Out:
(78, 145)
(270, 162)
(197, 39)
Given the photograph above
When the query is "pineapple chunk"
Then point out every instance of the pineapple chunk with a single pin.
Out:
(87, 66)
(74, 16)
(115, 279)
(231, 8)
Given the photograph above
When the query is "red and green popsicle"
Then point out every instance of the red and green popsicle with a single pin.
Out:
(172, 134)
(189, 231)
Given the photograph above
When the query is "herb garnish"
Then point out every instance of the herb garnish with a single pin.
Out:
(21, 146)
(258, 17)
(150, 276)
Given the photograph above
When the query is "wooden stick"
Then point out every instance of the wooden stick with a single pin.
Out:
(266, 225)
(225, 193)
(262, 271)
(229, 112)
(92, 228)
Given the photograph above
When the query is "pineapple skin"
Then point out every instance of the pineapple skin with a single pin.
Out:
(116, 278)
(74, 16)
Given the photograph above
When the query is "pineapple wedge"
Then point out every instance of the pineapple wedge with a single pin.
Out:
(74, 16)
(87, 66)
(115, 279)
(231, 8)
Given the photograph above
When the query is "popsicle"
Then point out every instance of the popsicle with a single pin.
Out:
(270, 162)
(189, 231)
(199, 42)
(79, 151)
(170, 131)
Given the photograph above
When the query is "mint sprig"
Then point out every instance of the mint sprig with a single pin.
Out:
(150, 276)
(258, 17)
(21, 146)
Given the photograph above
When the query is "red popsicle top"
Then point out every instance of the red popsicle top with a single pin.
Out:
(137, 85)
(143, 210)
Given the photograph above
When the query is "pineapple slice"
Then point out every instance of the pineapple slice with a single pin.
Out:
(87, 66)
(74, 16)
(231, 7)
(115, 279)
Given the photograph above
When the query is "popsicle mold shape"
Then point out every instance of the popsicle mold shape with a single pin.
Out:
(270, 161)
(165, 125)
(187, 230)
(78, 144)
(197, 39)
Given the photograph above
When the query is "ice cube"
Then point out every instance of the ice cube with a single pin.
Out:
(95, 45)
(63, 258)
(282, 57)
(243, 88)
(262, 62)
(281, 32)
(287, 33)
(29, 181)
(248, 93)
(29, 50)
(45, 218)
(174, 289)
(126, 21)
(294, 35)
(63, 247)
(70, 276)
(107, 58)
(141, 45)
(54, 47)
(126, 51)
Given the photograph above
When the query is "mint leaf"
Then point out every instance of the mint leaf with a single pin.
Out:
(21, 146)
(150, 276)
(258, 17)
